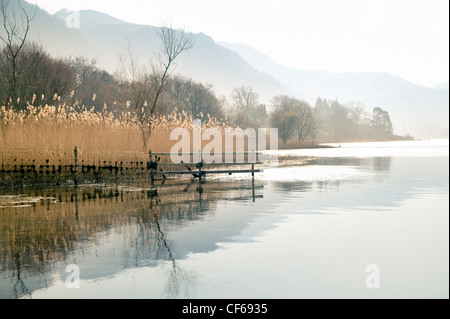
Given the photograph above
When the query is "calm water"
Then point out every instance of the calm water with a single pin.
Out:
(297, 231)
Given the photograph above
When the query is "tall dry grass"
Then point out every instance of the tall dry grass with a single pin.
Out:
(48, 134)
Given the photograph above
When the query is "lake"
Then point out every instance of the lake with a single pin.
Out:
(363, 220)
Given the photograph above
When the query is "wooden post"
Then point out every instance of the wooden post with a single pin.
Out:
(253, 190)
(200, 166)
(152, 171)
(75, 151)
(253, 163)
(76, 203)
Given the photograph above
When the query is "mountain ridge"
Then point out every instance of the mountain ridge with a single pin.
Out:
(95, 18)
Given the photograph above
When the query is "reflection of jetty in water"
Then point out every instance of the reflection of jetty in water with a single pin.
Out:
(45, 228)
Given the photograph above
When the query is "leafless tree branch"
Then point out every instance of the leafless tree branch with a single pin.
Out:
(14, 36)
(174, 43)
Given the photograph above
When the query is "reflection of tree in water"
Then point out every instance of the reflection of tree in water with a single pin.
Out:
(180, 281)
(377, 163)
(298, 186)
(382, 164)
(151, 243)
(20, 289)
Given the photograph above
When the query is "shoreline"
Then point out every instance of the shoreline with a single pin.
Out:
(298, 146)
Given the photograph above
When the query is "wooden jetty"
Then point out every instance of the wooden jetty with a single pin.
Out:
(200, 170)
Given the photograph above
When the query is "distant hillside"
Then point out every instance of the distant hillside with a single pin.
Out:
(90, 18)
(416, 110)
(107, 37)
(51, 32)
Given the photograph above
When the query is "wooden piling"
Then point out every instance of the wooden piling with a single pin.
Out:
(75, 151)
(200, 165)
(152, 171)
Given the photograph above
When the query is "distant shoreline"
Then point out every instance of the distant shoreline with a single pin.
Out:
(295, 145)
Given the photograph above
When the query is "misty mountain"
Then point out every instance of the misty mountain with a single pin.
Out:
(51, 32)
(417, 110)
(207, 62)
(90, 18)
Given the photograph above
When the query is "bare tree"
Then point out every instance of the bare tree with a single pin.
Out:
(42, 75)
(195, 98)
(286, 122)
(381, 123)
(15, 26)
(314, 131)
(138, 76)
(245, 100)
(305, 119)
(174, 43)
(140, 90)
(305, 122)
(148, 84)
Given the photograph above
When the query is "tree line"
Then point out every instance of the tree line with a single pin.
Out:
(326, 121)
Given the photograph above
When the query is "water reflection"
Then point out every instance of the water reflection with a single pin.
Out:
(110, 230)
(104, 229)
(327, 173)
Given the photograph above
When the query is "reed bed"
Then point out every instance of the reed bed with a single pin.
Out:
(47, 135)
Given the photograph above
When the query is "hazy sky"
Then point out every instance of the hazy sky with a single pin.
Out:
(408, 38)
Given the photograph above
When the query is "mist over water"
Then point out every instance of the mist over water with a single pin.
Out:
(296, 231)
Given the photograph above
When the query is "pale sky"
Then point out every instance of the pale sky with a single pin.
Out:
(408, 38)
